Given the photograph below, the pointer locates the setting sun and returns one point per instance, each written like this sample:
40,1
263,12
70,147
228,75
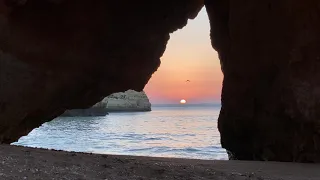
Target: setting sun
183,101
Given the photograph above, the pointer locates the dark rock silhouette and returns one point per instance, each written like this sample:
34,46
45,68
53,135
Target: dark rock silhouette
70,54
270,52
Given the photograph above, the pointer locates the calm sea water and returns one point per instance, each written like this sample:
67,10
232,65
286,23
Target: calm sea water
183,132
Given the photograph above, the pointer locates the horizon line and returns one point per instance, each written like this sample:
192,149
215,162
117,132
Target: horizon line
216,103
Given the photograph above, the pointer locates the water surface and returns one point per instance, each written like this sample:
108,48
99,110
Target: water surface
183,132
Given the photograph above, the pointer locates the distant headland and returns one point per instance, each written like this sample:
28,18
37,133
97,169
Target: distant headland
128,101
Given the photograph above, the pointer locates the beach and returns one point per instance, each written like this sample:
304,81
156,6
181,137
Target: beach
35,164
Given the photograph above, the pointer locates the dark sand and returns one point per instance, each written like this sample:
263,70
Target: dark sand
28,163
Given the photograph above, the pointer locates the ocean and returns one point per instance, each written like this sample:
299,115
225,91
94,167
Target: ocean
181,131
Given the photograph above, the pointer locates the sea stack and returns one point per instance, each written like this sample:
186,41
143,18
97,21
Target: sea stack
128,101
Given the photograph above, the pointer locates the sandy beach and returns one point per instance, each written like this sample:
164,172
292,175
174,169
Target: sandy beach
35,164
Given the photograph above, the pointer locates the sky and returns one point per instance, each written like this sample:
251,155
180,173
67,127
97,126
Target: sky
188,56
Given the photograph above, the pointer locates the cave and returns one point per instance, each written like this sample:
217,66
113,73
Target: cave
67,54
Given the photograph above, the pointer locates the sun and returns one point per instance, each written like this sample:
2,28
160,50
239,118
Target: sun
182,101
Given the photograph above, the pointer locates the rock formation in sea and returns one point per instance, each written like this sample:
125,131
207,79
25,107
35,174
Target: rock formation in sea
127,101
70,54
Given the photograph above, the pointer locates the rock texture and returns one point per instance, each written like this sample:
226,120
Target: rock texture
70,54
117,102
126,101
270,57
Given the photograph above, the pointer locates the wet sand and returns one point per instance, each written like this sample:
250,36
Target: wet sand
29,163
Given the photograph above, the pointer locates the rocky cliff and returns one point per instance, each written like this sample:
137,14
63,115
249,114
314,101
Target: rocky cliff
270,57
66,54
117,102
70,54
126,101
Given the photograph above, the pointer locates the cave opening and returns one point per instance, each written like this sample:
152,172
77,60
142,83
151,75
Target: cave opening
190,70
81,51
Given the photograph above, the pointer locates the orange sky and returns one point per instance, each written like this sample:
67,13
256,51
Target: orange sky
189,56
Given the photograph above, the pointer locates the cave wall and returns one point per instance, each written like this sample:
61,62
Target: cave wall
270,57
65,54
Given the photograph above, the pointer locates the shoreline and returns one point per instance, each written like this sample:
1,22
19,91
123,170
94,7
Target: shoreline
19,162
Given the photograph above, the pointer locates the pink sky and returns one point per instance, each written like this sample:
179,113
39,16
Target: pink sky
189,56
